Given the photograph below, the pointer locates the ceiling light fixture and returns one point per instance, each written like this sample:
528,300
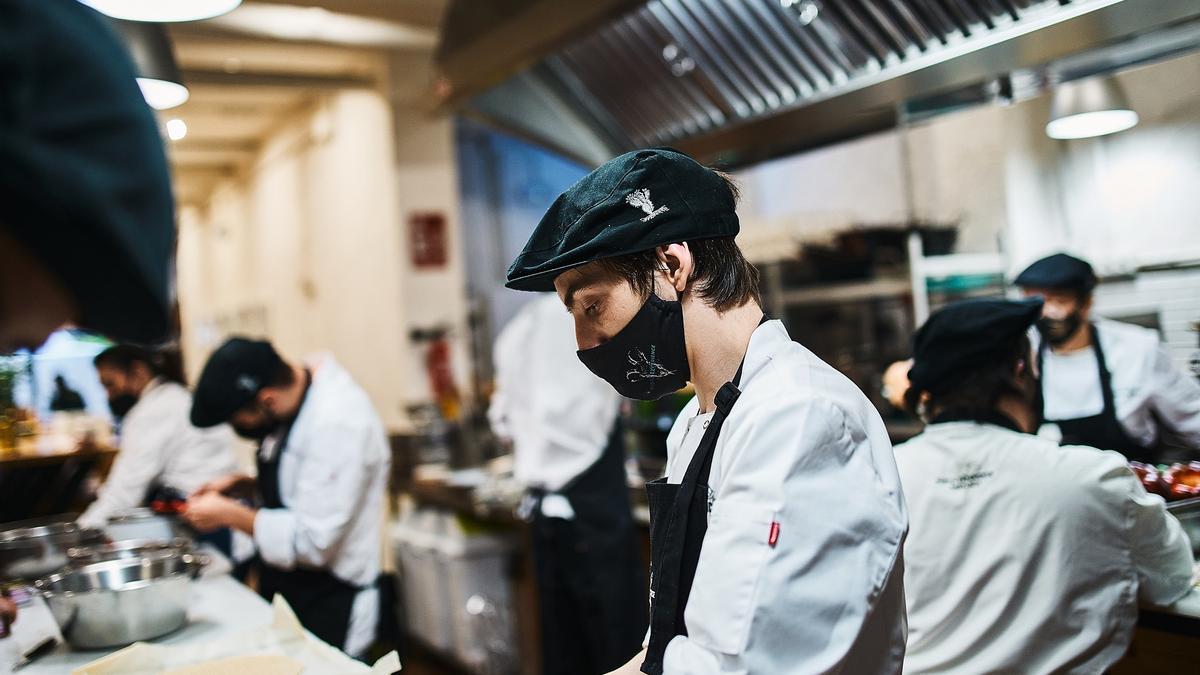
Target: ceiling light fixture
163,11
1095,106
176,129
157,73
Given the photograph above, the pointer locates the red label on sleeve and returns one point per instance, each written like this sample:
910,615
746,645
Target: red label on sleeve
773,538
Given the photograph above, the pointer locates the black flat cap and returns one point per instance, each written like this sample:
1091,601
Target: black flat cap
1058,272
632,203
966,335
233,376
83,175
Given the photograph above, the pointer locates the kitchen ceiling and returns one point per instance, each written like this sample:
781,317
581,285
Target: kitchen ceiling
741,80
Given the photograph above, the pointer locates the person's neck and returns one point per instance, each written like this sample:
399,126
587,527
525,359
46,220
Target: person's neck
1019,411
1081,339
717,343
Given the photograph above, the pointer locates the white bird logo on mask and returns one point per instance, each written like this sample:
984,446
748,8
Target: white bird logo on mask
645,368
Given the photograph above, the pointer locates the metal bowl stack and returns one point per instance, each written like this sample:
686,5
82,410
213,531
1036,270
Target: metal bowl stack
34,548
118,594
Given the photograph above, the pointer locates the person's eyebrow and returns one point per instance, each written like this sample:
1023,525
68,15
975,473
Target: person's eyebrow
581,279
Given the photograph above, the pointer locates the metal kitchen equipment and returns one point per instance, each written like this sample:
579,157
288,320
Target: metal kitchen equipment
30,549
117,602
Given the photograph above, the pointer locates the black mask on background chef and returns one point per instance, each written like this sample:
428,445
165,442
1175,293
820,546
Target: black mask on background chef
258,432
121,404
1058,331
647,359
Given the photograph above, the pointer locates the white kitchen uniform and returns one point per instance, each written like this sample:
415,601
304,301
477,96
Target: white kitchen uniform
804,449
1023,556
558,415
333,477
159,446
1149,392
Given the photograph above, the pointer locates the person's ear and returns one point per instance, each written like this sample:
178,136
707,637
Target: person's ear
677,264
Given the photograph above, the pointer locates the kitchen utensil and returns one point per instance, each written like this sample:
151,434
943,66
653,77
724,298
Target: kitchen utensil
31,549
118,602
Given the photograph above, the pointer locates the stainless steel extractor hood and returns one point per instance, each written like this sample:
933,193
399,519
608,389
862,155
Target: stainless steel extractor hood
737,81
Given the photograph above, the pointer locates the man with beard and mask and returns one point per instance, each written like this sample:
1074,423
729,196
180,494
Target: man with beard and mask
1106,384
1022,556
323,465
160,453
776,534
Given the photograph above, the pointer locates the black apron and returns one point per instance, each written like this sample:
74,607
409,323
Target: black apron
1101,430
591,588
678,522
322,602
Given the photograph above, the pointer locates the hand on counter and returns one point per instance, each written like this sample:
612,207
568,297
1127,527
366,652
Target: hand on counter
8,614
238,484
211,510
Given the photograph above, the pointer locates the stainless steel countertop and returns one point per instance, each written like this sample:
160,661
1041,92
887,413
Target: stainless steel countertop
221,606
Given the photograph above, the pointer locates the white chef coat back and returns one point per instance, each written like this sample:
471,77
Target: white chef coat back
159,445
805,449
558,415
332,478
1023,556
1148,390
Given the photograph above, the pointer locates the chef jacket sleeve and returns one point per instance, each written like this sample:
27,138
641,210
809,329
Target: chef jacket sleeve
1175,398
331,486
1162,554
801,468
141,459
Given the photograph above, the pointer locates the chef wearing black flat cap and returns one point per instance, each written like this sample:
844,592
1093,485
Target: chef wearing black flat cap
776,534
1106,384
323,464
1022,556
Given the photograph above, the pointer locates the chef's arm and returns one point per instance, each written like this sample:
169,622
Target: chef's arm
1175,396
1162,554
331,488
139,462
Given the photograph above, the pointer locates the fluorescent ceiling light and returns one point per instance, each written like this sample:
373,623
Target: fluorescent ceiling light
163,10
1091,107
176,129
162,94
157,73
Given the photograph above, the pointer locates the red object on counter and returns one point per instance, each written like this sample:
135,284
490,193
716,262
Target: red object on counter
1149,476
1182,481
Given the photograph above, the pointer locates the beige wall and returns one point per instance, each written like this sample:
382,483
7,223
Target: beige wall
310,247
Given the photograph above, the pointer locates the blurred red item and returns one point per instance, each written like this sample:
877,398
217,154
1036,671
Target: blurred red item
1182,481
1149,476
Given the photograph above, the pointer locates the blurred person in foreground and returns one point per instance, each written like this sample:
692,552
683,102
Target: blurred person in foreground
1022,556
323,465
569,453
86,214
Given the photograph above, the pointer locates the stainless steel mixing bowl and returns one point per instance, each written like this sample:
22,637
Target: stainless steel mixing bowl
116,602
30,549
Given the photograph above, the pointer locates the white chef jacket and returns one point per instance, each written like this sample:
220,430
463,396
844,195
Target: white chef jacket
558,415
805,449
159,445
1148,390
333,478
1023,556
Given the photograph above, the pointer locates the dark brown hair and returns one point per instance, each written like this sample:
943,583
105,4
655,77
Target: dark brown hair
722,278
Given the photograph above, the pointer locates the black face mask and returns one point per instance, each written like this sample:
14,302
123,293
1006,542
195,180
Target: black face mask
121,404
1058,331
647,359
